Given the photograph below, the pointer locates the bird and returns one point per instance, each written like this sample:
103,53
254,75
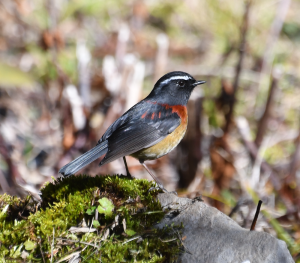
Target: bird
147,131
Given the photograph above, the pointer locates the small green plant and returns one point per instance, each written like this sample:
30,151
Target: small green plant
105,207
112,219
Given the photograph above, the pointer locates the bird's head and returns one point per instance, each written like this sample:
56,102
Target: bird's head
174,88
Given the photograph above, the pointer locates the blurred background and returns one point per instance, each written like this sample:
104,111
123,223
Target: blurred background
69,68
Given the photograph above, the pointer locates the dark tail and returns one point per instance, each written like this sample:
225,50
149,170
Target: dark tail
84,160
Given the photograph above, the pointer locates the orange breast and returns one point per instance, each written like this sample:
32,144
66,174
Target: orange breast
169,142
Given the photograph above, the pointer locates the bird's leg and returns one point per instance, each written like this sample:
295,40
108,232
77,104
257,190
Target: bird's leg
154,177
127,170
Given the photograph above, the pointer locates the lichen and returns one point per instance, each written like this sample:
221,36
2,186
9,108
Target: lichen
121,210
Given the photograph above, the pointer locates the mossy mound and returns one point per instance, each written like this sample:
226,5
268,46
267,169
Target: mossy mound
113,216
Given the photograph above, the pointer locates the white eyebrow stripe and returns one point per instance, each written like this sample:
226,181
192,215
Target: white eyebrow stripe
176,77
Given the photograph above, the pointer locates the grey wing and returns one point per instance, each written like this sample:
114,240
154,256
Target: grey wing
141,132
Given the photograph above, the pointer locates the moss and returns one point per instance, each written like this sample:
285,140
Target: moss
125,211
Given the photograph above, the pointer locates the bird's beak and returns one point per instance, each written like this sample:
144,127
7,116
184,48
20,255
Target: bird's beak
199,82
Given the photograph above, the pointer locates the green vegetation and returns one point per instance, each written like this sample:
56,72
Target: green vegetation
39,58
122,212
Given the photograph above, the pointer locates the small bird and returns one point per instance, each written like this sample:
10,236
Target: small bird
147,131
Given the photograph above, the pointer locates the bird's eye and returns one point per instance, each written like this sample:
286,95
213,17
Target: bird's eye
181,83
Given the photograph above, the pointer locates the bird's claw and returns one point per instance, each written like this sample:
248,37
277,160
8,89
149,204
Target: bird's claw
159,187
130,176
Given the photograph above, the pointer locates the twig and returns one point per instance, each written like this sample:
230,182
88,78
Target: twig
256,216
189,148
180,239
131,239
275,30
84,74
291,180
294,161
223,59
161,59
241,202
169,240
121,49
242,48
263,122
14,178
52,245
136,71
243,128
40,243
3,183
30,196
77,241
69,255
52,26
255,180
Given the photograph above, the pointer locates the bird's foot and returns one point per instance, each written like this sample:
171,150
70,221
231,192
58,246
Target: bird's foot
130,176
161,187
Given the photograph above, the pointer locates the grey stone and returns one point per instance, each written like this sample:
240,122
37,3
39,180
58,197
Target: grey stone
213,237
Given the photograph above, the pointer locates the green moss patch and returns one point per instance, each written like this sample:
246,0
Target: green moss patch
112,220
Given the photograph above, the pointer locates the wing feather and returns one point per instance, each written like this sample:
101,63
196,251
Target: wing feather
145,128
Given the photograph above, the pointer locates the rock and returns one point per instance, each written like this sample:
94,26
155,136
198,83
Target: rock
213,237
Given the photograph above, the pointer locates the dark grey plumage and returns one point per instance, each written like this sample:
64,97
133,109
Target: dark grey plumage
144,125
